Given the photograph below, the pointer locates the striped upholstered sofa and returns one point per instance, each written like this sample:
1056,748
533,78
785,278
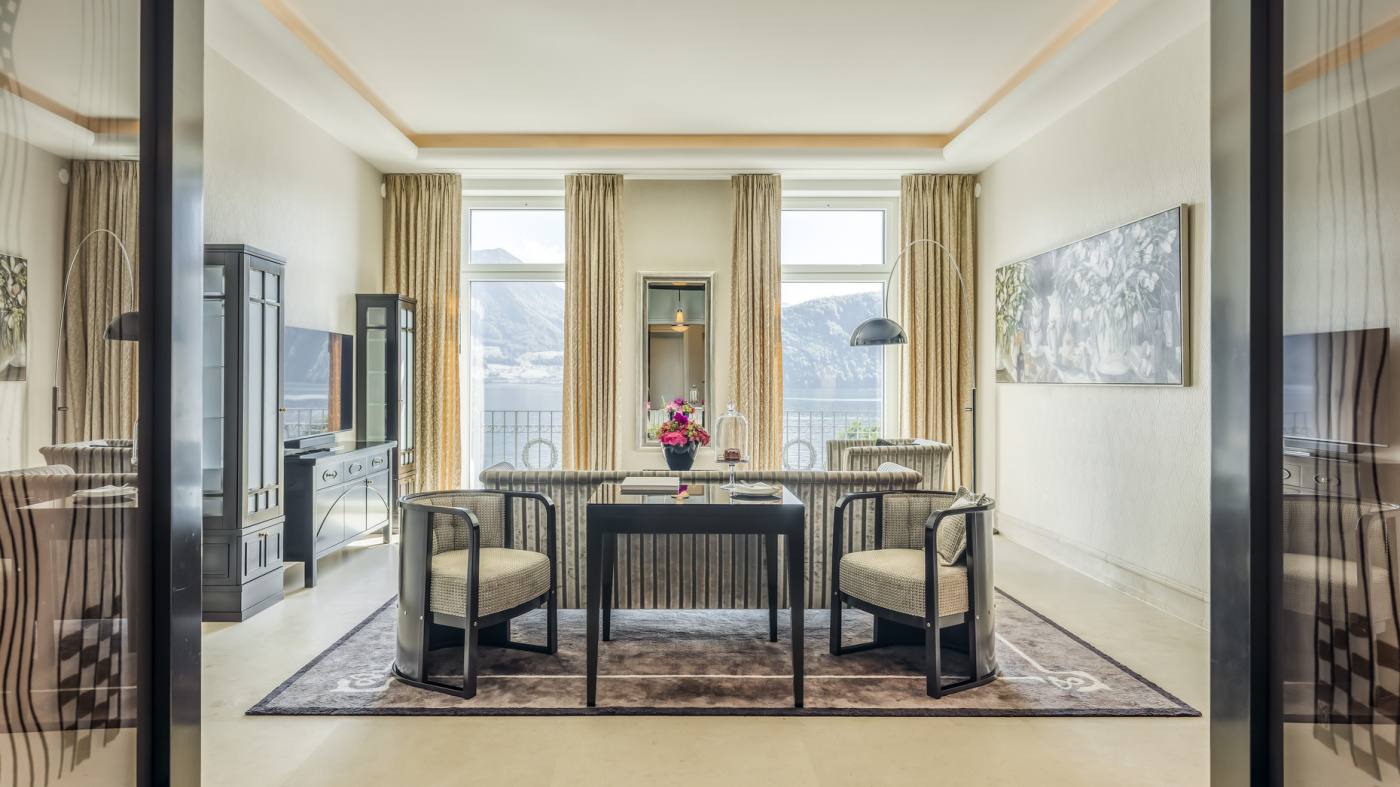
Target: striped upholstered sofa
683,572
929,460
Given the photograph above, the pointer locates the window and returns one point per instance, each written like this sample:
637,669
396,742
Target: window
513,377
836,261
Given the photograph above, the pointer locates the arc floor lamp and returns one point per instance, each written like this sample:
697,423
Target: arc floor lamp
882,331
122,329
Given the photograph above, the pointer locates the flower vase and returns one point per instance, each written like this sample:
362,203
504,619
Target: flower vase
680,458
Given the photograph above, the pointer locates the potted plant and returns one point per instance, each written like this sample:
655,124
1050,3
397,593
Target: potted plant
680,436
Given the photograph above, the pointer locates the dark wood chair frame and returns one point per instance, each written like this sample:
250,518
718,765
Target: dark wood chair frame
435,630
977,625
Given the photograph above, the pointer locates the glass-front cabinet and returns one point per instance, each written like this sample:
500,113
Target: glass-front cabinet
385,328
244,295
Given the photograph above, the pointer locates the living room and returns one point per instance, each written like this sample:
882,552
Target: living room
615,389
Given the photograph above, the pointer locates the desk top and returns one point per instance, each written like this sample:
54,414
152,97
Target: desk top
695,495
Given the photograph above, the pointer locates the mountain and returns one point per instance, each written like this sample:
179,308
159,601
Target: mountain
816,350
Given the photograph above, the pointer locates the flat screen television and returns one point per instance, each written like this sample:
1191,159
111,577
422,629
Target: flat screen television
318,382
1336,387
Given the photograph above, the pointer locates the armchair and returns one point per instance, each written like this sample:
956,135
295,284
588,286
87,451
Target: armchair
931,569
462,580
930,459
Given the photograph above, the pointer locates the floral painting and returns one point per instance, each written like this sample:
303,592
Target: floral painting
1105,310
14,312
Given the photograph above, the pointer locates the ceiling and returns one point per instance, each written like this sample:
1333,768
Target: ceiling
715,67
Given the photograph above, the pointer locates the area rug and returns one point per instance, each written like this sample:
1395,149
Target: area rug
720,662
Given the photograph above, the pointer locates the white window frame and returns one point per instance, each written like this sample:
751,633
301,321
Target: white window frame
891,425
471,274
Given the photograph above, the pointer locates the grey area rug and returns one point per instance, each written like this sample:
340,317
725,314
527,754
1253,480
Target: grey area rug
719,662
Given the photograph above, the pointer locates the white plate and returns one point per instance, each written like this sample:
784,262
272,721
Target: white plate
105,492
756,490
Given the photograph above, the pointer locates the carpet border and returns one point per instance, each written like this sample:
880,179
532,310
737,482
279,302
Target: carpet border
1183,710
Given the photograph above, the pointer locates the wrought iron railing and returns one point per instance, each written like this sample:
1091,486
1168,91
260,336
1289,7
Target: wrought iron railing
534,439
528,439
302,421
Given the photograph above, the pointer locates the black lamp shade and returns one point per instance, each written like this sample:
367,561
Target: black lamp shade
123,329
878,332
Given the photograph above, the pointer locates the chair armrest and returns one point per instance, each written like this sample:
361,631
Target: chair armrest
936,521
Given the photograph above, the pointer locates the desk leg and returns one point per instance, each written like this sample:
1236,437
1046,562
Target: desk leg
795,593
770,548
595,597
609,570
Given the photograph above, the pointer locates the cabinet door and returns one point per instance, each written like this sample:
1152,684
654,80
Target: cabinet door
356,505
263,413
212,390
329,513
407,368
376,373
378,500
262,552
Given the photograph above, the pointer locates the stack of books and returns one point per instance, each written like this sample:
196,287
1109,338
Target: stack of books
651,485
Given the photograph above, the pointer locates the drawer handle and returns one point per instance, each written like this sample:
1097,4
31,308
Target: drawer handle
330,474
1322,479
356,468
377,462
264,535
1287,473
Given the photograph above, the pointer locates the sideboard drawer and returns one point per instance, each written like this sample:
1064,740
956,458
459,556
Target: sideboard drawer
330,474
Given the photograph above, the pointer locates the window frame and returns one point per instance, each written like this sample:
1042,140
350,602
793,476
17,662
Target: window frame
473,273
891,410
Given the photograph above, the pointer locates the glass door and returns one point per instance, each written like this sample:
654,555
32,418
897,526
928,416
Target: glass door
376,373
1340,665
407,350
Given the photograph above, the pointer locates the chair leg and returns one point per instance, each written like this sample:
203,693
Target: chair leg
933,660
609,576
835,643
470,662
552,623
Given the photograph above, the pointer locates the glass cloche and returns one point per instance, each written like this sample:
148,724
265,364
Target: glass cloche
731,440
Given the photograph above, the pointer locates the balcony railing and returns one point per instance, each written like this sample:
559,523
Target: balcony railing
534,439
302,421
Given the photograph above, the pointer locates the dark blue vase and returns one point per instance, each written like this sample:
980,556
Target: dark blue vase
682,458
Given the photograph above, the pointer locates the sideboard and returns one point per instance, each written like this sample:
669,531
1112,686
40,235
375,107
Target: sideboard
336,494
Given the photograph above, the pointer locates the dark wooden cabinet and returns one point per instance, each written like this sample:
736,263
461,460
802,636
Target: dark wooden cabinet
385,360
244,487
336,494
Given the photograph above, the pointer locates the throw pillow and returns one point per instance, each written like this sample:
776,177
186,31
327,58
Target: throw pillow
880,441
952,534
922,441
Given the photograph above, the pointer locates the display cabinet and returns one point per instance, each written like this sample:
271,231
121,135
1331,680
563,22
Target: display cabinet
385,361
244,486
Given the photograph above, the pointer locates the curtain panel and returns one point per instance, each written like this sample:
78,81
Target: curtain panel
100,376
755,336
936,363
423,260
592,319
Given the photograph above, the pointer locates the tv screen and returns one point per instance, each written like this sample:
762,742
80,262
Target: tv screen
318,382
1335,386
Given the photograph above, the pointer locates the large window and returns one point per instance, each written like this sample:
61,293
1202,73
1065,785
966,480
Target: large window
836,259
513,380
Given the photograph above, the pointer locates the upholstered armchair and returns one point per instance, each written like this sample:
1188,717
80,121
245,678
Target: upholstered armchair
462,579
20,488
928,458
92,456
930,570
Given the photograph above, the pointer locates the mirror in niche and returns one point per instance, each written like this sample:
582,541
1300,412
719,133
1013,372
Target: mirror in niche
674,348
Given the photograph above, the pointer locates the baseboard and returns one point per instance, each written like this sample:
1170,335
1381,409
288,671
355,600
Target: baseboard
1187,603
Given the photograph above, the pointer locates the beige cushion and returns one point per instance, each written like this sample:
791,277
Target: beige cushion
509,578
894,579
1308,580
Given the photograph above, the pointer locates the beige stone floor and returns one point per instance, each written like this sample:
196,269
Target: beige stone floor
243,662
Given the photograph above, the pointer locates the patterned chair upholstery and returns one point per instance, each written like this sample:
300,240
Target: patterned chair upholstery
685,572
20,488
1328,564
925,557
461,545
92,456
931,461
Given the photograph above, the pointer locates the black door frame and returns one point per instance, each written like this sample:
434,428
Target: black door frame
165,557
1246,726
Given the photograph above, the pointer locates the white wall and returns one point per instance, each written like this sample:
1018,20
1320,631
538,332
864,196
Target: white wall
1111,480
275,180
34,210
674,226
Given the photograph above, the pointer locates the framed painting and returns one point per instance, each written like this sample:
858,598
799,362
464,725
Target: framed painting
1107,310
14,313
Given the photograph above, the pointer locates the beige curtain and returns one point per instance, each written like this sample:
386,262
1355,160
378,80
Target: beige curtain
100,375
936,364
423,260
755,336
592,317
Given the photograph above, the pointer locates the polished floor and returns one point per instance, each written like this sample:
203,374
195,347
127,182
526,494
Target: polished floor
243,662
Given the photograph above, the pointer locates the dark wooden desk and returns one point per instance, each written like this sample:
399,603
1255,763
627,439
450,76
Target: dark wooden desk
708,510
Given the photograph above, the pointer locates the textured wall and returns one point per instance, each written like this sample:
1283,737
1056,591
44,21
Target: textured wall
33,210
1111,480
672,225
275,180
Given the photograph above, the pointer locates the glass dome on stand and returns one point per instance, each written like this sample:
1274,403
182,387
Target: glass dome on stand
731,441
